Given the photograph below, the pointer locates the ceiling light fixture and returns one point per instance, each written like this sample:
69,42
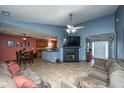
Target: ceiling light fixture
50,43
24,37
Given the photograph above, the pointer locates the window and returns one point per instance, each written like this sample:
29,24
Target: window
100,49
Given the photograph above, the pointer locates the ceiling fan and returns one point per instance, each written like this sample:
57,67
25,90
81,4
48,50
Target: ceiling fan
24,36
71,28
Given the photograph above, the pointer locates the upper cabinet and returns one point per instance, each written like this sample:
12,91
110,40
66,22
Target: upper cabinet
54,44
42,43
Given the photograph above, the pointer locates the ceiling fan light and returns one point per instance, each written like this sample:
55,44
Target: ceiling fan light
24,38
68,31
69,26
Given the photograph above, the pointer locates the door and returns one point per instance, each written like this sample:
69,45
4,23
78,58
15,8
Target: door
100,49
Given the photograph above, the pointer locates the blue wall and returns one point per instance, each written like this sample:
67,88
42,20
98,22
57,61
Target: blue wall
44,28
100,25
119,28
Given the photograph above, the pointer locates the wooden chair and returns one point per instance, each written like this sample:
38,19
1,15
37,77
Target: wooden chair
31,57
17,57
24,57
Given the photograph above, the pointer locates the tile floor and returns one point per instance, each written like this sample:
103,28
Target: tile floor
55,72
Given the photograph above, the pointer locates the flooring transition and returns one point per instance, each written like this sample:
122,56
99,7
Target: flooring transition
55,72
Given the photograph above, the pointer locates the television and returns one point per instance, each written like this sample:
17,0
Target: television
71,41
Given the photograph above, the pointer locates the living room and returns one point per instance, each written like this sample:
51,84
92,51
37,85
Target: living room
76,46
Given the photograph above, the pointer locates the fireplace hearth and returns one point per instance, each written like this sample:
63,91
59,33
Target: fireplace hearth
71,54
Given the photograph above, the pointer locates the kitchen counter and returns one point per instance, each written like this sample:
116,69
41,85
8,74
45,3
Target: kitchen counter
51,55
51,50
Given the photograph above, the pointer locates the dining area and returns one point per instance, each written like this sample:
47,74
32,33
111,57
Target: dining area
24,57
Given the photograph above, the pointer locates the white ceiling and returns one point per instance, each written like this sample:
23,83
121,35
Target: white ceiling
56,14
50,14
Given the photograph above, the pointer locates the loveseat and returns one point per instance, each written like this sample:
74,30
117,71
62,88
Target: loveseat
7,81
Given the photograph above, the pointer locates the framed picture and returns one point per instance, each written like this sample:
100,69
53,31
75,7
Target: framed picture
19,44
10,44
26,44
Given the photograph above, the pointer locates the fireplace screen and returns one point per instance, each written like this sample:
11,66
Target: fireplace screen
71,55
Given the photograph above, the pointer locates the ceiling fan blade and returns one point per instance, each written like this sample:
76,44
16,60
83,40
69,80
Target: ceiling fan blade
80,27
68,26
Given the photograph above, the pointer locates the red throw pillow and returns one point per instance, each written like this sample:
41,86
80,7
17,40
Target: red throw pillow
23,82
14,68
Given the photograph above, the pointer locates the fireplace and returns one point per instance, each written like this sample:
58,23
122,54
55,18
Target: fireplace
71,54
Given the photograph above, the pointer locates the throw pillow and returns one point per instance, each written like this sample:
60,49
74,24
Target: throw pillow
14,68
23,82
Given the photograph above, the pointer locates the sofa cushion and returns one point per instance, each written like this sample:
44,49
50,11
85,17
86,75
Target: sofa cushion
3,65
98,70
35,78
23,73
117,79
6,81
115,66
100,62
14,68
99,67
4,69
6,72
32,76
98,74
23,82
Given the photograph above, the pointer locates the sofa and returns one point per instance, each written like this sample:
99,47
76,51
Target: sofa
7,81
103,74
